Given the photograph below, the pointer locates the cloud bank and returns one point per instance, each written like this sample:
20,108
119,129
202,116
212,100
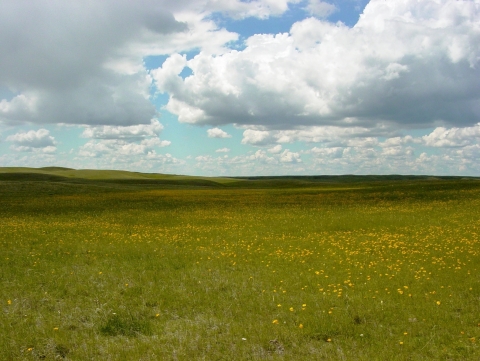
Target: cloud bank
403,65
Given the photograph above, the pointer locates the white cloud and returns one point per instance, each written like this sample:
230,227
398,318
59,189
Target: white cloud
326,134
290,157
203,158
36,139
22,106
251,163
404,64
401,159
262,157
275,149
139,131
334,152
39,140
398,141
163,158
223,150
320,8
258,137
111,141
119,147
94,149
453,137
367,142
34,159
241,9
149,162
49,149
155,142
217,133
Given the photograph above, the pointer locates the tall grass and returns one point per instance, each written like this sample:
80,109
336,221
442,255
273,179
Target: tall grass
378,271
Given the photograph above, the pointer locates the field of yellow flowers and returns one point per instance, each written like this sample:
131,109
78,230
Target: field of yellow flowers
354,271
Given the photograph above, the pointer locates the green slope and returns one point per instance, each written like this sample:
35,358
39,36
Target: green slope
136,179
90,176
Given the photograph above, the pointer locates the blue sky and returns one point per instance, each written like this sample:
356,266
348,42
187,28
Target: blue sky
230,87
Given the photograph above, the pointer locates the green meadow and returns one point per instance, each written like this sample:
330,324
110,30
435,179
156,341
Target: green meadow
109,265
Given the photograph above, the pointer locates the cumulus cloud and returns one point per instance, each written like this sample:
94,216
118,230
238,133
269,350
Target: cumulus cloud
320,8
352,154
119,147
275,149
223,150
327,134
258,157
334,152
217,133
166,158
36,139
139,131
290,157
258,137
398,141
238,9
338,151
109,141
102,157
261,157
259,162
453,137
81,62
32,140
404,64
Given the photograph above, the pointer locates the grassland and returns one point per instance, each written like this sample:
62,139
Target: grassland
125,266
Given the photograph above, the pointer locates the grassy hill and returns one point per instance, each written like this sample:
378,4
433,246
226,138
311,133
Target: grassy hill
117,178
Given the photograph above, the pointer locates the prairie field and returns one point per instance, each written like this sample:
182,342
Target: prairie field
246,270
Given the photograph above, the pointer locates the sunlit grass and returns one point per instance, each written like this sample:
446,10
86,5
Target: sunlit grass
376,272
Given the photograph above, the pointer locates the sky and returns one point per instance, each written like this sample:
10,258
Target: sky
242,88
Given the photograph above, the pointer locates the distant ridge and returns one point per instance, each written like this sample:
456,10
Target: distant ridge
53,169
136,179
105,177
353,177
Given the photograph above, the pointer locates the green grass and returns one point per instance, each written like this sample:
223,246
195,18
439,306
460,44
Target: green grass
263,269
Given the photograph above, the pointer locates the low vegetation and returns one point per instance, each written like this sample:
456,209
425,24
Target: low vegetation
359,268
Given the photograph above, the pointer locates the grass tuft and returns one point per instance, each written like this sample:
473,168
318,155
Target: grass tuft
126,324
62,350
